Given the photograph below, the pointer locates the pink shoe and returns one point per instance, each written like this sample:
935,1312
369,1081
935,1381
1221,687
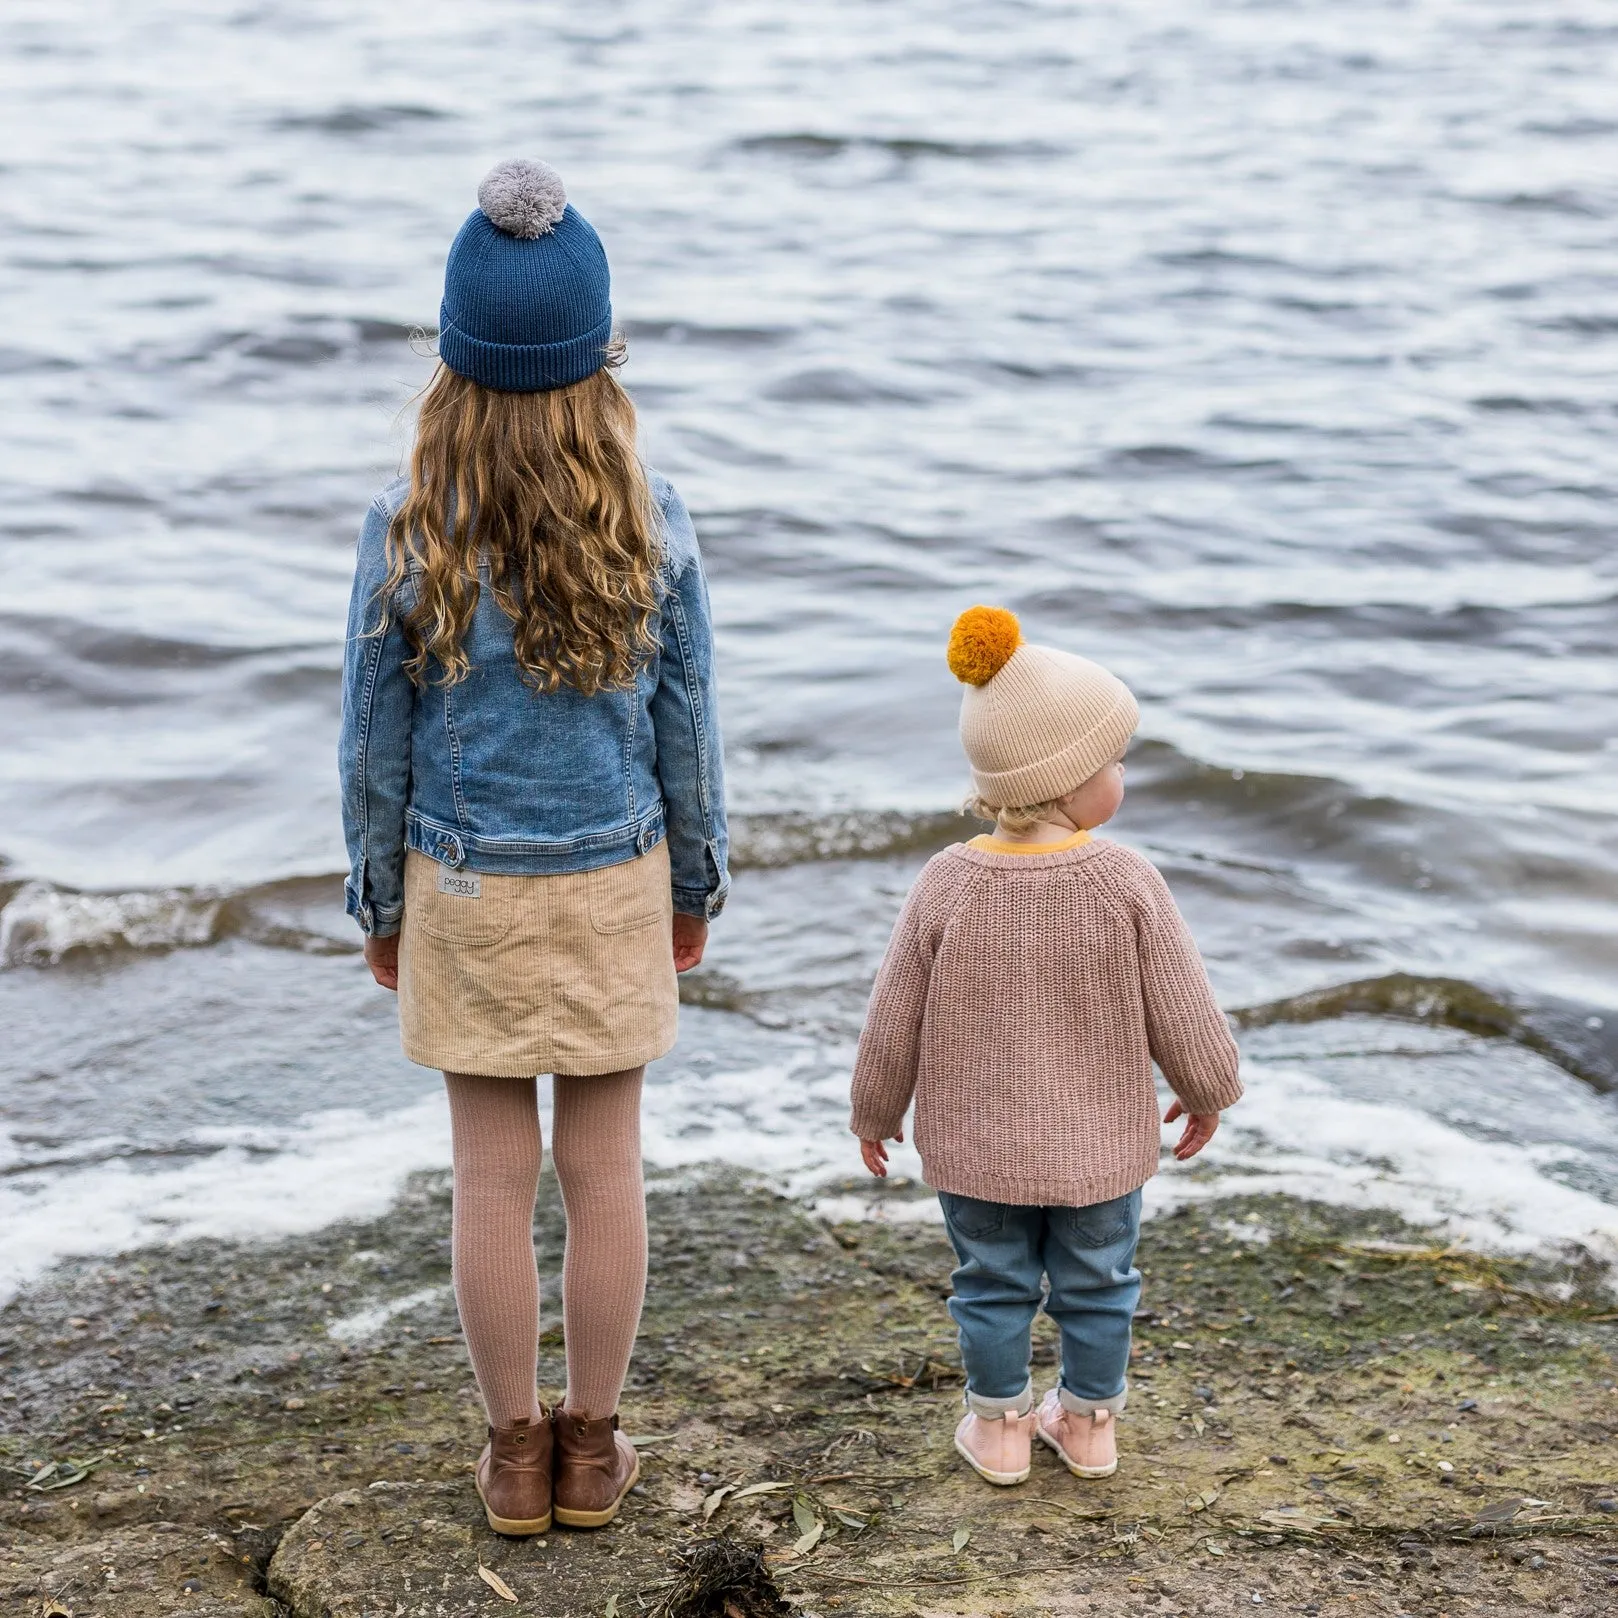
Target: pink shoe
1088,1444
997,1449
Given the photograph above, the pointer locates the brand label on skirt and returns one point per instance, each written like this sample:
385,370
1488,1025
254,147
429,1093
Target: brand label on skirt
460,884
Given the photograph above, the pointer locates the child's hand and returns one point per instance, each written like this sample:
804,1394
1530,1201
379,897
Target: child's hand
690,939
382,956
1199,1130
876,1155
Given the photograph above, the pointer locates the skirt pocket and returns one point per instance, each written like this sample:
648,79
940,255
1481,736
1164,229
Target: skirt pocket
458,907
624,898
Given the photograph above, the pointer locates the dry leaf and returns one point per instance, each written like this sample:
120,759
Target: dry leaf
759,1488
1198,1426
496,1583
1294,1517
961,1537
1201,1502
716,1500
803,1515
612,1607
55,1609
650,1439
810,1539
848,1519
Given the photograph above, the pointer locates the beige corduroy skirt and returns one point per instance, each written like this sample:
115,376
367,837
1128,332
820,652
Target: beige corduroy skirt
513,976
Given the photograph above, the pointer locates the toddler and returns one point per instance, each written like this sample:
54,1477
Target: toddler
1033,977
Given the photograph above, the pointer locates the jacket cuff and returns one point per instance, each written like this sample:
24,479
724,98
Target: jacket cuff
704,903
376,921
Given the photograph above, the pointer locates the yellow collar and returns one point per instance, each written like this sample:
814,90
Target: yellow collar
988,844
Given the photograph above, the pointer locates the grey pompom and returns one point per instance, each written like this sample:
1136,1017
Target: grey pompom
522,197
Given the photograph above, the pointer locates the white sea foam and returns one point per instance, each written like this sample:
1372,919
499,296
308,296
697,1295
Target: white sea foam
367,1322
258,1183
1294,1133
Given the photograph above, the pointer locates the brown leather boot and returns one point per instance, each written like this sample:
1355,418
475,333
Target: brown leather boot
514,1476
596,1466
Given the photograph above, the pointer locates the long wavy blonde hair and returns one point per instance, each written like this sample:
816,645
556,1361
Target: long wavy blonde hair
547,491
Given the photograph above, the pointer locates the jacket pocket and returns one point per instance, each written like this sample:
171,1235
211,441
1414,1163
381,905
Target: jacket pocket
456,918
1103,1223
632,894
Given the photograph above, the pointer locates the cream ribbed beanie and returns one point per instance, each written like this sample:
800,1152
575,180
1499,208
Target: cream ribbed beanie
1036,723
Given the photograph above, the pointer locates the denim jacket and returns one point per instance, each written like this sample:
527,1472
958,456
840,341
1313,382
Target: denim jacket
490,775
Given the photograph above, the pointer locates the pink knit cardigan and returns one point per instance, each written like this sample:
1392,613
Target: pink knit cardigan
1022,1002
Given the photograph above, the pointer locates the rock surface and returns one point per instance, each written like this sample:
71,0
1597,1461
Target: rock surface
418,1547
155,1568
1329,1412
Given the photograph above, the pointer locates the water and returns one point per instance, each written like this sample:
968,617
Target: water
1261,351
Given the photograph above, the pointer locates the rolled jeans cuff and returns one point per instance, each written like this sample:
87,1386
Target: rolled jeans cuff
1084,1407
994,1409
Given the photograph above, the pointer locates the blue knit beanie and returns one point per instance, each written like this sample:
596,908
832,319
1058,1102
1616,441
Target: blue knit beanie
527,297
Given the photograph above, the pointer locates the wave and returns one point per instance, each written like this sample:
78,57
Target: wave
354,119
705,336
15,361
43,924
762,842
1573,1036
836,384
807,144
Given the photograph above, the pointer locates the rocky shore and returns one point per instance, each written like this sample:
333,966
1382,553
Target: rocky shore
1331,1414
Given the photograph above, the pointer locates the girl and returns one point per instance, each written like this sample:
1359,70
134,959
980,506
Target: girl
534,810
1033,978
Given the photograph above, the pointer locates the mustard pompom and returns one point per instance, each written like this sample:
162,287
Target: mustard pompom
981,643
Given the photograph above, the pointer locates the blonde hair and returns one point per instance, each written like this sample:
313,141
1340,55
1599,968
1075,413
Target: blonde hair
546,490
1016,819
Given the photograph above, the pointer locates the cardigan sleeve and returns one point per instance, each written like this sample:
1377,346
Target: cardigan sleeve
1185,1029
885,1069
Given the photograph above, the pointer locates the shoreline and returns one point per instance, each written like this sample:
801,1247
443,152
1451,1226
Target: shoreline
1329,1410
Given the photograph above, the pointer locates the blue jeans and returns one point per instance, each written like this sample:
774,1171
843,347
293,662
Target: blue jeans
1006,1251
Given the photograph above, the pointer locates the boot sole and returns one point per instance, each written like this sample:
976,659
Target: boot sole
515,1527
518,1527
569,1518
1001,1480
1073,1466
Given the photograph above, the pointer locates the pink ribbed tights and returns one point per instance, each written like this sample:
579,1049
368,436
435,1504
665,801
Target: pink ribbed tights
596,1153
